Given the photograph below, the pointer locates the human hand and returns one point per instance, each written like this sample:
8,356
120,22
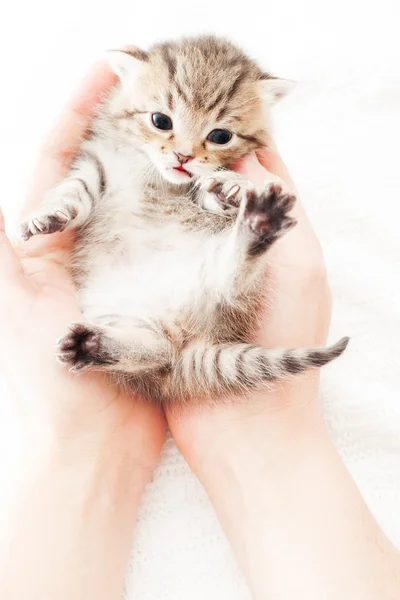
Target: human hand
299,301
279,488
297,315
252,454
37,304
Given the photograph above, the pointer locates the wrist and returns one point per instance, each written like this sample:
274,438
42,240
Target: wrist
133,447
74,478
260,431
85,423
81,455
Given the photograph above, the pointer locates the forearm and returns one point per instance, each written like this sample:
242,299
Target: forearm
68,529
294,517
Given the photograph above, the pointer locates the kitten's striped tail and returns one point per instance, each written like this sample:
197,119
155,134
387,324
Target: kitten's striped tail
215,369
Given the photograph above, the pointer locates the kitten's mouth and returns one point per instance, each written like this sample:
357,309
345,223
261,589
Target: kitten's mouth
182,170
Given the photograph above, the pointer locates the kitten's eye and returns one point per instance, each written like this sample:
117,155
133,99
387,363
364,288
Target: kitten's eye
219,136
161,121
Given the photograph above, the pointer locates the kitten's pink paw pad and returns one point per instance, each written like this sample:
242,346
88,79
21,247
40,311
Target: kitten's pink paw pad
266,214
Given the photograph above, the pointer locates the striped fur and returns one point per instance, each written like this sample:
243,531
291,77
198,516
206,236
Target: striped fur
232,367
170,264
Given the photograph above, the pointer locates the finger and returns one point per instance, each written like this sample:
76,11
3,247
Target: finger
253,170
261,167
10,267
62,144
272,161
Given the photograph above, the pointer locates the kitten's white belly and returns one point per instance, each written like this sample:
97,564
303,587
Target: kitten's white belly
157,280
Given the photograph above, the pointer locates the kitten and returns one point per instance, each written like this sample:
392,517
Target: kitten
171,246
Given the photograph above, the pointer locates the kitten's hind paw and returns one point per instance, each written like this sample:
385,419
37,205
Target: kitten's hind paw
45,223
83,348
265,216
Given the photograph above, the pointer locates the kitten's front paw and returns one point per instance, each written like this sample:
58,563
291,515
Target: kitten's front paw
83,347
265,215
44,223
228,189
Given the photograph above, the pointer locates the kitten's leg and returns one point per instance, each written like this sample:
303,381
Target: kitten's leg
242,253
117,349
213,370
69,204
262,216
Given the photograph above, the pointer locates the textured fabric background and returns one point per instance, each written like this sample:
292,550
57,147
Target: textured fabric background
339,134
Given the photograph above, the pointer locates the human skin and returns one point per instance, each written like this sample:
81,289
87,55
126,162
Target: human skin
292,513
88,448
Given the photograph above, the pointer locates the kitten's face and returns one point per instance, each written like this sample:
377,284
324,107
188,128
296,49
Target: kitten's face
185,142
193,107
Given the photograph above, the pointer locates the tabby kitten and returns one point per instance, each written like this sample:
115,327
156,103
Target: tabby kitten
171,245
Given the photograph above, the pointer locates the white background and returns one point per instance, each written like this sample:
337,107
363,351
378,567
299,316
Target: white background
340,135
46,46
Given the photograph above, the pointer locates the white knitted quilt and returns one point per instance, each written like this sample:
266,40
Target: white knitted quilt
339,134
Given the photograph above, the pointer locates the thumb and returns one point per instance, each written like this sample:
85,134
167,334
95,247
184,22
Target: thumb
10,267
253,170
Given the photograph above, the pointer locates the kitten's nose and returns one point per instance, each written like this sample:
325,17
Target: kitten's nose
183,158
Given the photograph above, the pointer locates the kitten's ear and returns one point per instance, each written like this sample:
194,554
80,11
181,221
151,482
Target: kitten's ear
126,63
274,89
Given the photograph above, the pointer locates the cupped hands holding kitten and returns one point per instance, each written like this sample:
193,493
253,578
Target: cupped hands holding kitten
171,245
289,508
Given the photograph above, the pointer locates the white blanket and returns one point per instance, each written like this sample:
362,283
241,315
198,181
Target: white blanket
339,134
